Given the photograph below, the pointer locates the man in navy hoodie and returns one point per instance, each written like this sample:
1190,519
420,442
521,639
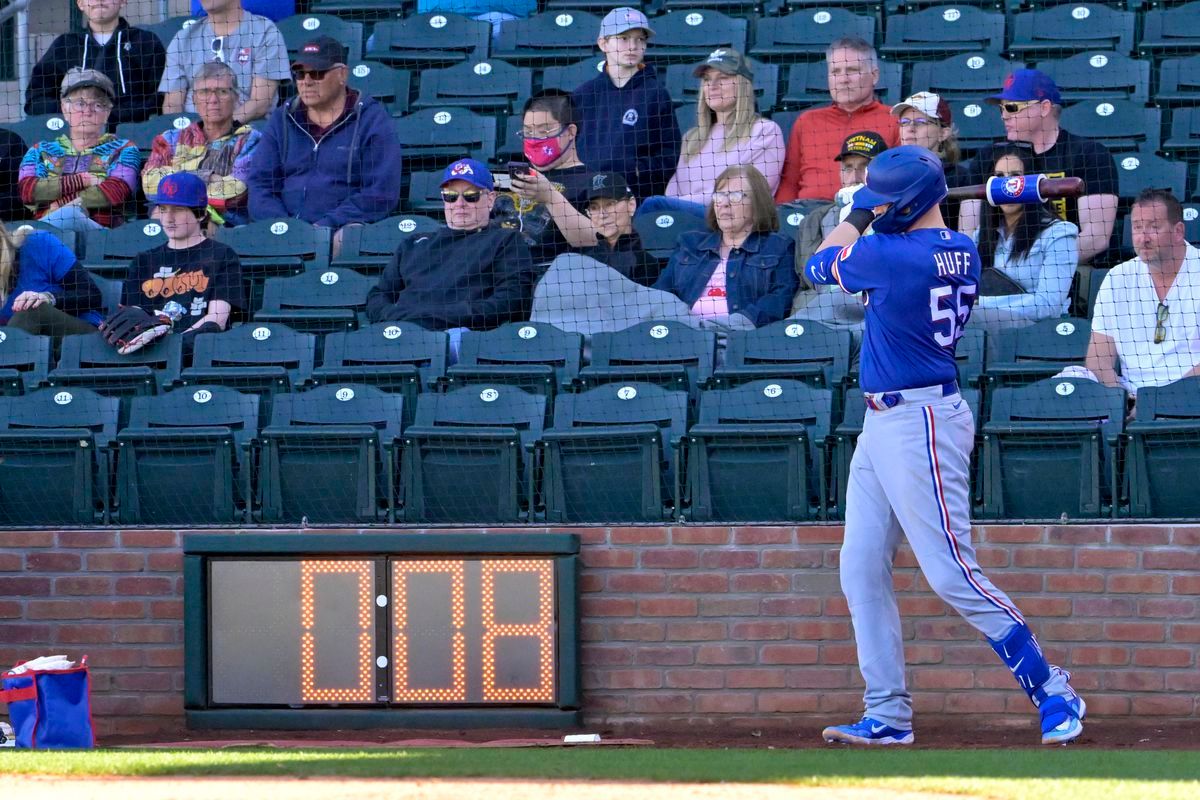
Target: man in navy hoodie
329,156
625,116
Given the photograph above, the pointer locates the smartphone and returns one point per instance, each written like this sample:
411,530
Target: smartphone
519,169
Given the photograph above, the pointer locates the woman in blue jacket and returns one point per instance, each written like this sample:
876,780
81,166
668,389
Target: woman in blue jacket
43,289
743,267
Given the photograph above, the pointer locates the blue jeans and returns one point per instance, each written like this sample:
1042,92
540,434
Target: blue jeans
71,218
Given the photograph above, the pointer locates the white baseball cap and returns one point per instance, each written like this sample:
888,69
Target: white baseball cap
929,104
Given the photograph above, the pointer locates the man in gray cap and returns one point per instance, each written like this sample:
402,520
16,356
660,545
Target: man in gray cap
625,116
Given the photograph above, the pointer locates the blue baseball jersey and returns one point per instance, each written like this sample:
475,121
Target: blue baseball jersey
919,289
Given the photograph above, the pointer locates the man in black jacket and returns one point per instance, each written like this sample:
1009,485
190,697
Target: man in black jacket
132,58
469,274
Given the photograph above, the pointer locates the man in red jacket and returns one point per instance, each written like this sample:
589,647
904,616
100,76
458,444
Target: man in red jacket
810,170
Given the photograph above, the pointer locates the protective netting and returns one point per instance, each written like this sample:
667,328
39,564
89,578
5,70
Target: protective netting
473,262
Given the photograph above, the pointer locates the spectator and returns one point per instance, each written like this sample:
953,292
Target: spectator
1030,105
808,170
1028,257
45,290
625,117
330,155
729,132
547,202
741,274
216,147
611,206
468,275
248,43
926,121
857,151
1147,315
273,10
189,285
132,59
82,180
12,150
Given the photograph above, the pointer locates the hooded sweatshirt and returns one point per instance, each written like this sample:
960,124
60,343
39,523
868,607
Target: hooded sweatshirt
133,59
350,172
629,130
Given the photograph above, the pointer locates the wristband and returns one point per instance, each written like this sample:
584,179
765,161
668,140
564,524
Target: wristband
860,218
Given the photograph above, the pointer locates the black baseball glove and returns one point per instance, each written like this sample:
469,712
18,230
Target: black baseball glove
131,328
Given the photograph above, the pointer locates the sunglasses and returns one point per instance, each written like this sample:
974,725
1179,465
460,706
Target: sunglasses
311,74
1014,108
470,196
217,46
1160,327
917,122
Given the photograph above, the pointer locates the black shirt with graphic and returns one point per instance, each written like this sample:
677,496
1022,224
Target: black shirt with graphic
545,240
192,277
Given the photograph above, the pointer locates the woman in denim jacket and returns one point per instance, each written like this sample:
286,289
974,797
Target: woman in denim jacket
743,268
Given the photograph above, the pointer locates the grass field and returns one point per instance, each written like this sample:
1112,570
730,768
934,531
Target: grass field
1059,773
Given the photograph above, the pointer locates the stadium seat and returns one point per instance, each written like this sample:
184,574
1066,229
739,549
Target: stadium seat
1119,124
943,31
166,30
67,237
1162,451
692,35
970,356
425,192
386,84
397,357
968,77
533,356
1100,76
39,128
777,7
570,77
468,457
1170,31
1138,171
184,458
793,349
685,87
785,120
1071,28
300,28
660,232
596,6
685,117
273,248
142,133
548,37
110,293
437,136
322,301
665,353
1178,81
1184,138
978,124
739,7
758,454
369,248
808,84
24,361
807,34
346,434
108,251
425,40
488,86
1048,450
1024,355
89,361
365,11
613,454
54,457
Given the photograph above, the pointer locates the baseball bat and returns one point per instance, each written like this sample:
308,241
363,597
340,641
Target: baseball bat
1046,188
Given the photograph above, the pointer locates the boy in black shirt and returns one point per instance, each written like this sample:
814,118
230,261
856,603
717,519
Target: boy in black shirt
189,285
611,206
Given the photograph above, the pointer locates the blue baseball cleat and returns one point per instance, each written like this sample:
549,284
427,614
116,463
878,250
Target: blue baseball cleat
1062,719
869,732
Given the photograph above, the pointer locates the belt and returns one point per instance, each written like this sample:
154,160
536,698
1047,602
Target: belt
924,395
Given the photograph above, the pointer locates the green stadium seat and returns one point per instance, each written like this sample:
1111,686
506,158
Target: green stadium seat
1178,81
660,232
1162,451
425,40
739,7
300,28
549,37
1024,355
1100,76
970,356
54,457
1170,30
1138,171
365,11
807,34
386,84
24,361
808,84
368,249
330,300
1184,138
758,454
142,133
1049,450
967,77
533,356
90,362
613,454
794,349
110,292
345,434
685,88
691,35
437,136
594,6
486,86
273,248
67,237
793,213
1119,124
570,77
943,31
468,457
108,251
1071,28
424,192
666,353
38,128
397,357
166,30
184,458
978,124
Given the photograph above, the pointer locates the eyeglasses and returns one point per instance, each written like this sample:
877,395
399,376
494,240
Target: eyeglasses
313,74
917,122
207,93
217,46
599,211
95,106
730,197
1160,326
470,195
541,133
999,174
1016,108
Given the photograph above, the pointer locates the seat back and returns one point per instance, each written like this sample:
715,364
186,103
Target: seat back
1060,400
166,30
1185,131
489,85
570,77
1072,28
445,133
1174,401
24,360
423,39
808,33
691,35
198,407
1142,170
142,133
386,84
259,344
89,353
283,241
1179,80
808,84
1171,30
328,290
944,30
496,406
1053,341
38,128
968,77
342,405
300,28
660,232
792,343
978,123
524,343
379,240
111,249
75,407
1100,75
387,344
552,36
655,344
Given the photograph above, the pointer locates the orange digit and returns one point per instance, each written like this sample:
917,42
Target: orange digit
308,643
543,629
457,691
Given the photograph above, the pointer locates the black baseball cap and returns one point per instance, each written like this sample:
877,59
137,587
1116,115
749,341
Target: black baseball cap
867,144
322,52
608,186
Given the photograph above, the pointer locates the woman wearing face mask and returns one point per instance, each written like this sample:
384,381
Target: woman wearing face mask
548,202
741,274
1031,257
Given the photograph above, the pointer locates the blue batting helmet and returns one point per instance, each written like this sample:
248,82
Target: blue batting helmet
910,178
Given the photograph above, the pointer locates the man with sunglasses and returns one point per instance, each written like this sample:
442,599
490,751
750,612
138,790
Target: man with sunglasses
329,156
249,43
1148,309
468,275
1030,106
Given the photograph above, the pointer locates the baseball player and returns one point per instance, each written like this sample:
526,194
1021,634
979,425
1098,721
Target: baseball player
909,474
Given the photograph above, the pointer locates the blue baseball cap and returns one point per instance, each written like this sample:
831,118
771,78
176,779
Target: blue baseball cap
1027,84
471,171
180,189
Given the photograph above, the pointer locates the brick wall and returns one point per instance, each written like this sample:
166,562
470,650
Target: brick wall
691,625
